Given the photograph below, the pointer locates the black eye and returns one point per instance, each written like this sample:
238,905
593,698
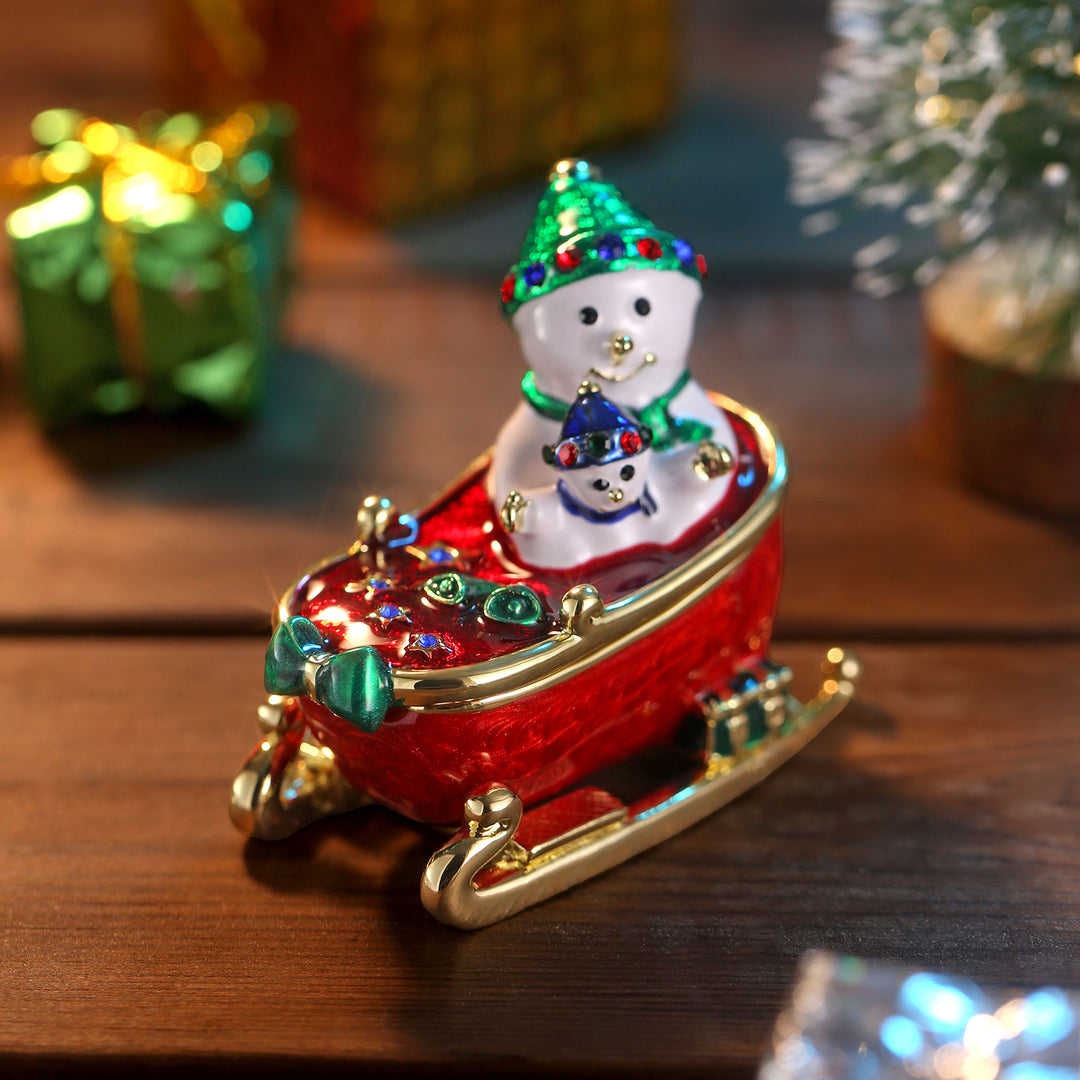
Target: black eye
627,472
588,315
642,306
601,485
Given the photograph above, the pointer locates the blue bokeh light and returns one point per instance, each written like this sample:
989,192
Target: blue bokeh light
901,1036
1035,1070
942,1007
236,215
1048,1018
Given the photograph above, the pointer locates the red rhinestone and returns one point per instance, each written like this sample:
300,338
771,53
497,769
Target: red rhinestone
507,292
567,454
649,247
630,441
702,266
568,259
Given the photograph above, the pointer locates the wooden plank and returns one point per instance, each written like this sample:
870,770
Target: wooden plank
393,389
878,533
390,394
935,823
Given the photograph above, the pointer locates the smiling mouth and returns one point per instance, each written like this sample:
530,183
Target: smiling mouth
647,361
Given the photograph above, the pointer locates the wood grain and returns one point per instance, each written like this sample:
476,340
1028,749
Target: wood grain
935,823
392,381
393,389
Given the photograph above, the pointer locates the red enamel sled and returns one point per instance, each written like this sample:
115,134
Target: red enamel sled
504,689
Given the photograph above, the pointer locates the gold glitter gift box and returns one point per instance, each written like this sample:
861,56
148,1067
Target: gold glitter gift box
406,105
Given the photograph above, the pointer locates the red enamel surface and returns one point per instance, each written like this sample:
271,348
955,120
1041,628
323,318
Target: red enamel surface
426,765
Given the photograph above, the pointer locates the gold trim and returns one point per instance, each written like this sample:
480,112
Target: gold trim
274,796
448,889
589,631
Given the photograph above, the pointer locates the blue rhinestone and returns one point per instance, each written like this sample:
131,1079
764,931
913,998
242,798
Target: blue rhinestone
427,641
377,584
535,274
610,247
440,555
742,682
389,611
683,250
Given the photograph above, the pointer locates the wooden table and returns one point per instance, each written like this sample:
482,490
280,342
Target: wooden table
936,823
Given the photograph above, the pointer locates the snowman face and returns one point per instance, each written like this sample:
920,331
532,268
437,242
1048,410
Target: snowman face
574,332
610,487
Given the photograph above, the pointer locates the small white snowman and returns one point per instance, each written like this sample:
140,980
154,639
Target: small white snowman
602,459
601,296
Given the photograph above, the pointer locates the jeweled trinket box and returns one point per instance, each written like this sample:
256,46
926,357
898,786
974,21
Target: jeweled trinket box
602,583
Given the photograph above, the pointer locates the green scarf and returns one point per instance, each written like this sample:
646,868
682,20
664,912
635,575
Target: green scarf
668,431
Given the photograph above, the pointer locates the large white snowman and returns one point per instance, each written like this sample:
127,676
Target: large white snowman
601,297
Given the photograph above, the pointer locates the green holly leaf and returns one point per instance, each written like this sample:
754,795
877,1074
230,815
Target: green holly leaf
516,605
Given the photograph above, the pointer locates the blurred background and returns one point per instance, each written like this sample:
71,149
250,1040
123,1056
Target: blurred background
394,367
379,361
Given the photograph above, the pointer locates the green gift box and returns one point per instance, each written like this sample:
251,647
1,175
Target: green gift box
152,267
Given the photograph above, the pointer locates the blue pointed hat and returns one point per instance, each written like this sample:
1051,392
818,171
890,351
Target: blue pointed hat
595,432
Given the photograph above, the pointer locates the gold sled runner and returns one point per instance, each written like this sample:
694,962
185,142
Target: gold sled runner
505,860
525,874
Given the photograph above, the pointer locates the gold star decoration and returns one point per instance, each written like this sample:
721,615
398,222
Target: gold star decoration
388,615
372,586
437,554
427,644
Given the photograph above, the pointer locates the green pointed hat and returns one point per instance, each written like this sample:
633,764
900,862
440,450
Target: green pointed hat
584,226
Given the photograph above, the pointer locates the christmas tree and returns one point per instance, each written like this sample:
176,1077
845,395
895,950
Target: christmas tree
963,116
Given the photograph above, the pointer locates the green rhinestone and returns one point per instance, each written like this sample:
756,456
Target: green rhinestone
357,686
445,588
517,605
598,444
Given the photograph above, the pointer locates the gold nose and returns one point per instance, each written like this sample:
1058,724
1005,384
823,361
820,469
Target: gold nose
618,345
615,495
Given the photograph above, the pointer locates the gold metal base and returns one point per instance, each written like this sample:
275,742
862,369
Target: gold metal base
504,861
289,780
